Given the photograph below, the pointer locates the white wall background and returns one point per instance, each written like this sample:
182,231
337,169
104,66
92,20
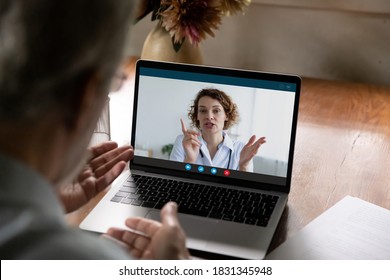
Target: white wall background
261,113
330,39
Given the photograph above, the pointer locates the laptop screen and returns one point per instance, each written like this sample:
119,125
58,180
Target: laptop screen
222,125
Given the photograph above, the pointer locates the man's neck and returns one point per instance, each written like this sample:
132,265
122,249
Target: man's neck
33,148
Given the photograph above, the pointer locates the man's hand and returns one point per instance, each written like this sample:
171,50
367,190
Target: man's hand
148,239
105,164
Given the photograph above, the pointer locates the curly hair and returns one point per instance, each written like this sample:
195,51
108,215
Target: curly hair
226,101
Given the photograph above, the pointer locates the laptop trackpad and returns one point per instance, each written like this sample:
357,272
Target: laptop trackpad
198,229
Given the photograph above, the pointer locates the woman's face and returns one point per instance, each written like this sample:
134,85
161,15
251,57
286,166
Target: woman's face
211,115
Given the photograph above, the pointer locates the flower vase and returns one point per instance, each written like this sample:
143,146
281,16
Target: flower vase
158,46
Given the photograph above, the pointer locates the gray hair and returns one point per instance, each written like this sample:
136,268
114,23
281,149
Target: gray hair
49,48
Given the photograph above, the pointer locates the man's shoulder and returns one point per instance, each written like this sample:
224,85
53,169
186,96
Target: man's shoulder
77,244
60,243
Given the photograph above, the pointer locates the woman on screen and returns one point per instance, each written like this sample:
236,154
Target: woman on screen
211,113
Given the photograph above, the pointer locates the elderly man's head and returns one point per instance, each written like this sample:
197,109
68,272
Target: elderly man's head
57,59
48,49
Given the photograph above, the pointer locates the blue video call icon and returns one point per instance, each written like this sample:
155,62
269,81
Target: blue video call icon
188,167
201,168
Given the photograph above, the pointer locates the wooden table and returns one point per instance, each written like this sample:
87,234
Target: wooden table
342,148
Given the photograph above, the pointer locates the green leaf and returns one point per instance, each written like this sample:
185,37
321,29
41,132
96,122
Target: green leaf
177,46
155,6
167,149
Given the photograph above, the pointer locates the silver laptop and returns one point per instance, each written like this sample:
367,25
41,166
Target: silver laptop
226,212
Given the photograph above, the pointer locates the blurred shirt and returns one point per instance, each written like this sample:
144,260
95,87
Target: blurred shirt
33,225
227,156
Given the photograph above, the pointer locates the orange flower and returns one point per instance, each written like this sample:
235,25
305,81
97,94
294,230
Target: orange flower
190,19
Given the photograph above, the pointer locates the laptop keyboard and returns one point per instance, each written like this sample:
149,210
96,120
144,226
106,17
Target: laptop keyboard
197,199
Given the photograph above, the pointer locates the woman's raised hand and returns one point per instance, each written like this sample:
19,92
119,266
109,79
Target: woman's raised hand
249,151
191,143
